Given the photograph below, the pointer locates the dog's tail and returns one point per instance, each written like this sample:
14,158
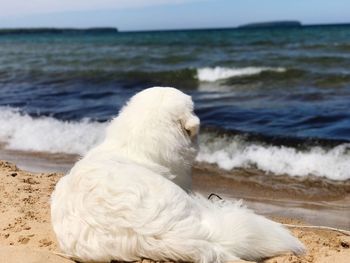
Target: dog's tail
239,232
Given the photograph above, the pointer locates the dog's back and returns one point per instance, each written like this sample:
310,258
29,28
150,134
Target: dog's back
117,202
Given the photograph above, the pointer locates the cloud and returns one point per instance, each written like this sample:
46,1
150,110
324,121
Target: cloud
20,7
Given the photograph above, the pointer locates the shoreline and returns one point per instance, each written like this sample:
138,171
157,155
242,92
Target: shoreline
313,200
273,196
25,228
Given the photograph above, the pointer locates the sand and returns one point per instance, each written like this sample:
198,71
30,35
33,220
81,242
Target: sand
26,234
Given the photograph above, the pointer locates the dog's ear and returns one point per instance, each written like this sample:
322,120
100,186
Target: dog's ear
190,125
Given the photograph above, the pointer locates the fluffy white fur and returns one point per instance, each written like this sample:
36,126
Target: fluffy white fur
117,203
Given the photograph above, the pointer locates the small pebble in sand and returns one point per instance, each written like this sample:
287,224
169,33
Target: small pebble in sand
30,181
344,244
45,242
23,240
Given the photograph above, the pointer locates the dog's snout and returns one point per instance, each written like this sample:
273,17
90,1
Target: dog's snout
192,126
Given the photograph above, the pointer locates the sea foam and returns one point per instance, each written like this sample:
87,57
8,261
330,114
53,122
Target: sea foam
219,73
233,152
19,131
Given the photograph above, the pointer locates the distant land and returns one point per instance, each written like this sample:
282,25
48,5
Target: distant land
113,30
93,30
262,25
272,24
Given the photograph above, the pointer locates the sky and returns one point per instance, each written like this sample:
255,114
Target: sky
167,14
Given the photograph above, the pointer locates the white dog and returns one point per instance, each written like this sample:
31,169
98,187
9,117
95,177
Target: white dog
117,203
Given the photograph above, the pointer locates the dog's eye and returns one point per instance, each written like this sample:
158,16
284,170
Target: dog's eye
189,132
189,129
184,130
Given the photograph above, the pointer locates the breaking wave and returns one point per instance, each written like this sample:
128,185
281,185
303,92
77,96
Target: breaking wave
234,152
219,73
20,131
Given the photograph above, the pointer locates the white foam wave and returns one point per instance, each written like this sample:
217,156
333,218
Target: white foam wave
45,134
230,153
219,73
20,131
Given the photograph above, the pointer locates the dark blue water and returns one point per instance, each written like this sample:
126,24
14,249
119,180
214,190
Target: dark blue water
278,82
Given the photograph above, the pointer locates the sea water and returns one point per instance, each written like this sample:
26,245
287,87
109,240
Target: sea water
274,99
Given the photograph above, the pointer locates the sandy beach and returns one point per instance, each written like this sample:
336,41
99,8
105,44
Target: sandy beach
26,234
269,107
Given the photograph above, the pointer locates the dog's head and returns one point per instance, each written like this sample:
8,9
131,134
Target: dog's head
168,108
157,124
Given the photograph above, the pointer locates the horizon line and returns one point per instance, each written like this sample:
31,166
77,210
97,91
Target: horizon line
178,29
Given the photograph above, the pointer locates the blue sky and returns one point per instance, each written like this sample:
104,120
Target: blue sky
167,14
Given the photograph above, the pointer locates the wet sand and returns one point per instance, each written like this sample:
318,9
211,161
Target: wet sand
312,200
26,234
